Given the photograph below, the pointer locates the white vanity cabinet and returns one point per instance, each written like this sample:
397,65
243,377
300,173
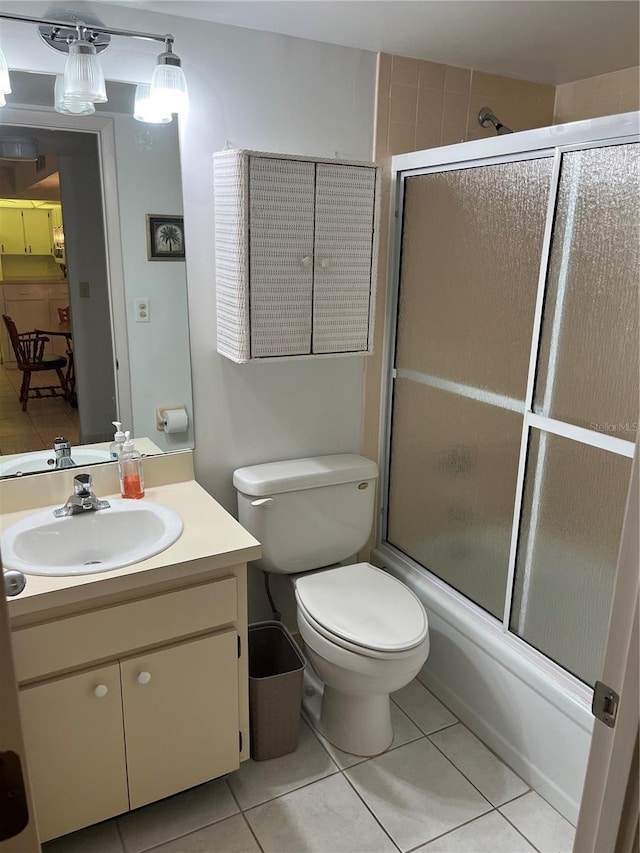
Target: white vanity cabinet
296,254
129,703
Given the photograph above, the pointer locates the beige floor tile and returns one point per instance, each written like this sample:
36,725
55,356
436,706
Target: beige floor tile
497,782
416,793
488,834
227,836
184,813
325,816
423,708
404,731
545,828
101,838
258,781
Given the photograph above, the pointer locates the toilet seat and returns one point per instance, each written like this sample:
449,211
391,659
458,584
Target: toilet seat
363,609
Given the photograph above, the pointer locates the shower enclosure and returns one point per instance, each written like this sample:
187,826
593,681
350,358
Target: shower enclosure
512,404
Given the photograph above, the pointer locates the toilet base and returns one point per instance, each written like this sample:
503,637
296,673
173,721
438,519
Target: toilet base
358,725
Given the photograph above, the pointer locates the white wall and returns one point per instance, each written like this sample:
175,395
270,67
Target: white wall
266,92
148,169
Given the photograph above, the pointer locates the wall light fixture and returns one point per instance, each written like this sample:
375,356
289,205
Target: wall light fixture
82,37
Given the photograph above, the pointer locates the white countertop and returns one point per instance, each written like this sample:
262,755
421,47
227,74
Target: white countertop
211,539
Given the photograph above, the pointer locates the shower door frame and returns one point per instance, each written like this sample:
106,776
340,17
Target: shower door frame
534,144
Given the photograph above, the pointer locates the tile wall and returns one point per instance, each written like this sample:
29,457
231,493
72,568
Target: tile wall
607,94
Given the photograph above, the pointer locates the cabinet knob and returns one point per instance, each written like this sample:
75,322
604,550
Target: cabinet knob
324,263
144,677
306,261
100,690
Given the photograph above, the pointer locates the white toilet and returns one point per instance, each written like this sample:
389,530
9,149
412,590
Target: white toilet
365,632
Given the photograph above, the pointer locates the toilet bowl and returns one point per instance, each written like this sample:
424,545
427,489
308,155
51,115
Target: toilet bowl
366,636
365,632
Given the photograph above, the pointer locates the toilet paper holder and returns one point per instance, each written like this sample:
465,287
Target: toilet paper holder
161,416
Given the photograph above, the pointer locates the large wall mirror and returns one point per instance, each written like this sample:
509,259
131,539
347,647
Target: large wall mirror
91,258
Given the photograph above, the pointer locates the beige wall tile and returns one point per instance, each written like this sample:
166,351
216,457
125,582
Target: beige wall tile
427,136
456,108
630,90
457,79
608,89
432,75
405,71
430,106
404,103
451,135
401,137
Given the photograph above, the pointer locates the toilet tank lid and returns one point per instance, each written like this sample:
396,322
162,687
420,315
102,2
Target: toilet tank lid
309,473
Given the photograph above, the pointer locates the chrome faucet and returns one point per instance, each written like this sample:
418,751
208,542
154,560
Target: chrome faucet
82,499
62,449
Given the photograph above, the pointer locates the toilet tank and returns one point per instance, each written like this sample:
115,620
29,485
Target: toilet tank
307,513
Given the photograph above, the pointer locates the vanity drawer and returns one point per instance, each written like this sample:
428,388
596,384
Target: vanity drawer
63,644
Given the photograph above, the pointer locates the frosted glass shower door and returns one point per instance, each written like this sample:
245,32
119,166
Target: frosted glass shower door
470,260
585,412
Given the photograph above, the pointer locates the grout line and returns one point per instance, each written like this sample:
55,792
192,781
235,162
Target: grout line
119,832
461,772
449,831
255,837
528,840
366,805
284,793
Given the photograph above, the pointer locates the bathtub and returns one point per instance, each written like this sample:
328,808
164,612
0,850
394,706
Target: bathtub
530,712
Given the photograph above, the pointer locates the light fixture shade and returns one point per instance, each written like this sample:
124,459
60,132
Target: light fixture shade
148,109
3,100
70,107
83,77
169,85
5,83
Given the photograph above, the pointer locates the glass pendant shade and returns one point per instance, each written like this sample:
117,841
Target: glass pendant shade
3,100
169,85
83,77
149,109
5,83
70,107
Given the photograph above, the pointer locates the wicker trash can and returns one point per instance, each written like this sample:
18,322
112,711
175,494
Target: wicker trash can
276,668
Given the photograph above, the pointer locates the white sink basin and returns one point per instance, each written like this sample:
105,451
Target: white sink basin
44,460
96,541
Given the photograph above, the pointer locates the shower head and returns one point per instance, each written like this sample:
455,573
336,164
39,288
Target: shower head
487,117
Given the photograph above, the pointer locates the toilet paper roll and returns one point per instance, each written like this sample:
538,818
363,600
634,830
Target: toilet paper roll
175,420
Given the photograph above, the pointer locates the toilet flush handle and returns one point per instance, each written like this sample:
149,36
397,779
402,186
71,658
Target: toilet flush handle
262,502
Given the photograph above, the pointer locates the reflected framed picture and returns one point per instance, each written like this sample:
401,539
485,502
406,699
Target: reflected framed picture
165,237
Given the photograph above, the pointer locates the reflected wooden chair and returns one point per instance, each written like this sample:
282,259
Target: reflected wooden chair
31,358
65,314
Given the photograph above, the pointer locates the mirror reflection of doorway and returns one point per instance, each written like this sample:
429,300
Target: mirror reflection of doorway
54,284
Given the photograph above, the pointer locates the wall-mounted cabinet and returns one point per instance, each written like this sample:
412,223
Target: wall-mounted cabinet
296,255
25,231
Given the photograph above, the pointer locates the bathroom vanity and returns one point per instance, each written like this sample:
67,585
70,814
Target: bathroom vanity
132,682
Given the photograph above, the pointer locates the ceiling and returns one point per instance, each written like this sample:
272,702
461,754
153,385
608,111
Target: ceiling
547,41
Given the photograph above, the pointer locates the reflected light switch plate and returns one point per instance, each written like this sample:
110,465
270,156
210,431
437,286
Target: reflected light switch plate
143,311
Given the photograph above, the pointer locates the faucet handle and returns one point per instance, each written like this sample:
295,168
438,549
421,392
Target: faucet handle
82,485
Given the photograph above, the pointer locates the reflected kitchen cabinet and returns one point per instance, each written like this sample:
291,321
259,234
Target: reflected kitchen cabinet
25,231
11,231
33,305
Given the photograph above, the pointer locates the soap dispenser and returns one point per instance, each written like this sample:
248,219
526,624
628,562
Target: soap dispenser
130,469
118,440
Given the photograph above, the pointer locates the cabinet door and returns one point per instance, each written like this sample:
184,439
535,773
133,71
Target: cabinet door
281,194
345,202
11,231
37,232
180,716
75,750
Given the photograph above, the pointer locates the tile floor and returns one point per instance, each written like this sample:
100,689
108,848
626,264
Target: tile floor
44,419
438,789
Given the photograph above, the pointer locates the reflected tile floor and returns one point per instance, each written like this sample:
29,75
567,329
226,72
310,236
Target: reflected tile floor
438,789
